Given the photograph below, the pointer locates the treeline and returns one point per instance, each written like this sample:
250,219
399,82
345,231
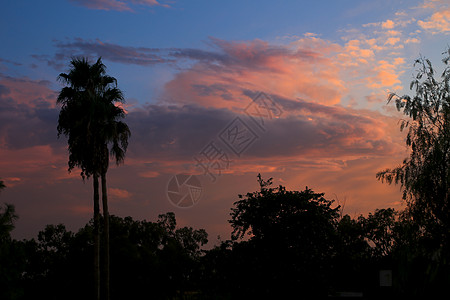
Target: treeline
154,260
300,244
284,243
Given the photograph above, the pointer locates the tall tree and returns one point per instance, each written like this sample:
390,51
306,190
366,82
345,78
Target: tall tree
114,136
425,174
91,121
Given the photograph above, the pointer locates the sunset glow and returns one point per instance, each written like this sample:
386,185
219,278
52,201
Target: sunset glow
187,71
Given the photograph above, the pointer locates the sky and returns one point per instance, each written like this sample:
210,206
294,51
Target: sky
222,91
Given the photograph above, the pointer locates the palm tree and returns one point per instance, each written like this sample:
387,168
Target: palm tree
114,134
90,120
75,119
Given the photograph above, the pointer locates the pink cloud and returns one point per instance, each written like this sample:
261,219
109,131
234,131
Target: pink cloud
11,181
27,91
311,68
289,70
28,113
311,134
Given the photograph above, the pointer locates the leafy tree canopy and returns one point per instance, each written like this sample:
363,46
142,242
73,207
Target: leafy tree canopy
274,213
425,174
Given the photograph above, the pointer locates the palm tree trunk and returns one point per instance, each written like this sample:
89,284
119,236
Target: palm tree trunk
96,238
106,238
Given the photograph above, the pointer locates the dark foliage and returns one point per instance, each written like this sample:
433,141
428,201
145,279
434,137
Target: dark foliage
425,179
284,243
425,175
150,260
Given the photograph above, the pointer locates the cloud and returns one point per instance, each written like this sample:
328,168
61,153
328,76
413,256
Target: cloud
3,63
121,194
412,41
432,3
439,22
309,77
388,24
401,20
28,113
96,48
217,78
11,181
118,5
252,54
355,52
28,136
311,68
392,41
173,133
168,138
386,74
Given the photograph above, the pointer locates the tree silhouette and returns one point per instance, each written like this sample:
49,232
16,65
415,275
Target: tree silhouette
152,260
115,134
379,229
10,257
91,121
425,174
7,217
291,239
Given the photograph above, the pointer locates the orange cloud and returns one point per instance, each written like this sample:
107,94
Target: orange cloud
388,24
386,74
412,41
360,193
392,41
119,193
439,22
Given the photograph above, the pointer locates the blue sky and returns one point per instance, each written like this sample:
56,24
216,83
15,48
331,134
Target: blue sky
187,68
